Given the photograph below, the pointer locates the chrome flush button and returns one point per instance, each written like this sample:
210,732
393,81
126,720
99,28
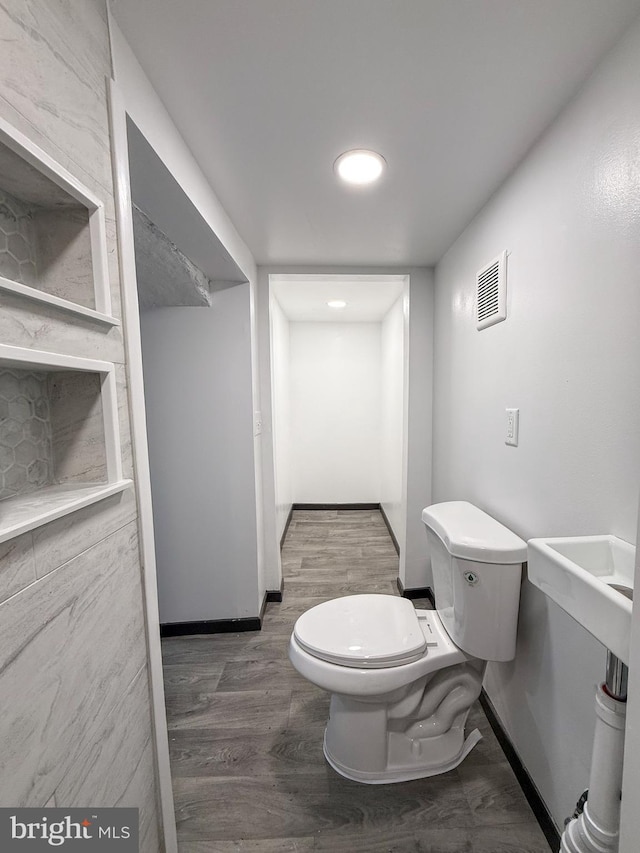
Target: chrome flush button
471,578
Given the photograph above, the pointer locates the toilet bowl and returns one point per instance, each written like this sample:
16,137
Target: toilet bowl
402,680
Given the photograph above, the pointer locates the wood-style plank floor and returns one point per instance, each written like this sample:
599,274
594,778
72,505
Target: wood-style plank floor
246,731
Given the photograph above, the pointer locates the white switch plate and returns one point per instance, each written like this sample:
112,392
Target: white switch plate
513,423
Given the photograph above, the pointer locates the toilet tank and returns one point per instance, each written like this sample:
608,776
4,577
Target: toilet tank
477,569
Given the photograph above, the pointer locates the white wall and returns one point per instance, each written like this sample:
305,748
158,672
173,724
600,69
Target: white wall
149,114
147,111
392,417
335,412
197,370
415,566
569,357
280,384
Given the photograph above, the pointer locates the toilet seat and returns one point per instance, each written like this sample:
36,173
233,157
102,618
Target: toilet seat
362,631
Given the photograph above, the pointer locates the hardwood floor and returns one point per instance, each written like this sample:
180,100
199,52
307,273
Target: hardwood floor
246,730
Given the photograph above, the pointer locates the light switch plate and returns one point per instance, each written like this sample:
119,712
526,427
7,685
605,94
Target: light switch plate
513,425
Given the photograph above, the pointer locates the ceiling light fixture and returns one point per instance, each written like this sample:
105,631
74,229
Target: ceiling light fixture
359,166
337,303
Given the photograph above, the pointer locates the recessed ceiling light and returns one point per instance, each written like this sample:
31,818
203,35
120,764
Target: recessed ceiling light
359,166
337,303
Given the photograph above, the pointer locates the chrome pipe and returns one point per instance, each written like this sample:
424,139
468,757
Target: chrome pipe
617,676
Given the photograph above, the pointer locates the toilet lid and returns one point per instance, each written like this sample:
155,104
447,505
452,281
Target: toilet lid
363,631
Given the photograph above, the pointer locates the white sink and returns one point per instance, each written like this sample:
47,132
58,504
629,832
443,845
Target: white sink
579,573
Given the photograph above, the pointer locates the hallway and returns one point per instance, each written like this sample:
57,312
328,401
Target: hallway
245,732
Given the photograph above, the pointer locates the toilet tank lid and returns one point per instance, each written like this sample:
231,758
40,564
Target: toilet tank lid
470,534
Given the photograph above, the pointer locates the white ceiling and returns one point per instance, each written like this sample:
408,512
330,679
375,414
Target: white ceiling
267,93
368,298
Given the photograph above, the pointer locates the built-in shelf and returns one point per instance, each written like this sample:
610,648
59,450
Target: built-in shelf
26,512
59,429
59,436
55,301
53,246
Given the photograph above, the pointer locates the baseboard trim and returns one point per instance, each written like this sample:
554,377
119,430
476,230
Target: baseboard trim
312,507
538,807
286,527
222,626
275,594
211,626
416,592
390,529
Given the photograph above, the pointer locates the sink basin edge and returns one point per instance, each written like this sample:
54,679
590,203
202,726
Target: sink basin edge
581,586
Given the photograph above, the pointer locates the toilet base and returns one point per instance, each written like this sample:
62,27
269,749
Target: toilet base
419,768
412,733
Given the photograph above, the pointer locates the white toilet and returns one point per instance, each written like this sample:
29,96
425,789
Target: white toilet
403,680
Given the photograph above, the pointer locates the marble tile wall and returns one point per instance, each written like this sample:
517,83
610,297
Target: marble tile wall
26,455
56,619
27,324
17,566
63,258
46,249
77,427
80,733
17,240
58,542
51,430
75,721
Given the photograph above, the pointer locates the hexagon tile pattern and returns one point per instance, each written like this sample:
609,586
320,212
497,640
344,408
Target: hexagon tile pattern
17,241
26,458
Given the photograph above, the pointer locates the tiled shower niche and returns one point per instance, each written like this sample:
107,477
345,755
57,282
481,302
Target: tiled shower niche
52,232
17,241
26,456
50,252
59,436
51,430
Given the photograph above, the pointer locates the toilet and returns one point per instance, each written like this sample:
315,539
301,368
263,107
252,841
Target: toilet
402,680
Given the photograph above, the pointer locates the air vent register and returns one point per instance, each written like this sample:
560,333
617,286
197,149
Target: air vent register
491,292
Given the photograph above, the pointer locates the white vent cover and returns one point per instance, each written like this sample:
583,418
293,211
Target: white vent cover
491,292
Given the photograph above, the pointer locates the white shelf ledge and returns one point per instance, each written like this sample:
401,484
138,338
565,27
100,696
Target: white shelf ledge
56,301
26,512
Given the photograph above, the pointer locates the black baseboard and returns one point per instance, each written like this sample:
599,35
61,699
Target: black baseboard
211,626
530,791
312,507
222,626
286,527
390,529
416,592
275,594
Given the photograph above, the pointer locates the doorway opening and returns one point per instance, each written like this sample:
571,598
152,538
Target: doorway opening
339,379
